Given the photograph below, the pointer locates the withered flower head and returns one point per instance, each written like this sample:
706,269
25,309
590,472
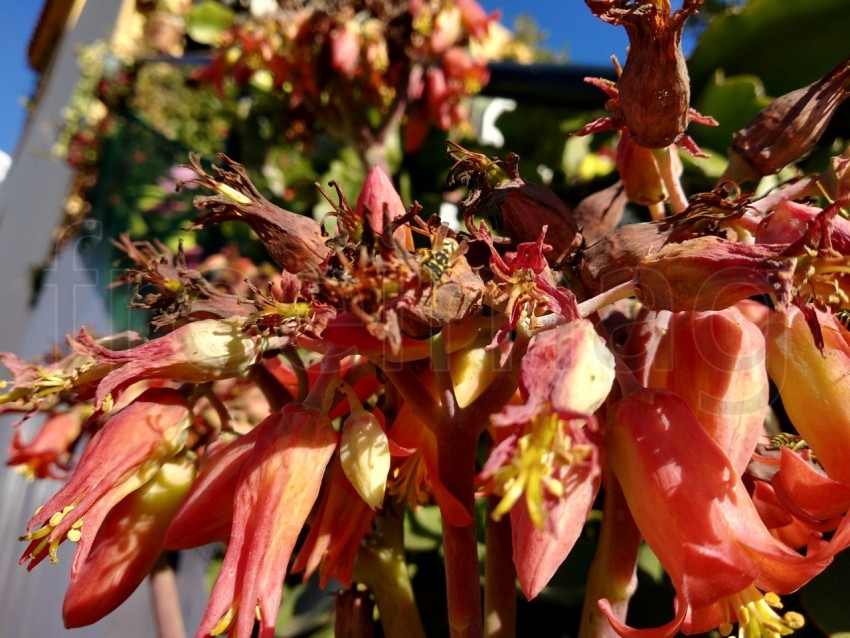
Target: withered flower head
294,241
611,261
788,128
163,282
710,273
524,208
654,87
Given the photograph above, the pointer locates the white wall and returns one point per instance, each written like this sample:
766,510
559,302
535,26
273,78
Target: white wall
31,202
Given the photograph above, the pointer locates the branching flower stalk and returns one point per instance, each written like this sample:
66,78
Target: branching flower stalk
551,361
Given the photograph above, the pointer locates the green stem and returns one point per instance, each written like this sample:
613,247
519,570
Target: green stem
300,372
322,393
612,295
413,392
220,409
381,566
675,192
353,614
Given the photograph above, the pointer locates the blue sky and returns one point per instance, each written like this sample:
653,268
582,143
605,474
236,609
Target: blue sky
17,82
568,23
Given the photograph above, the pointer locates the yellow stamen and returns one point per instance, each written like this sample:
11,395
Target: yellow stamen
757,618
223,624
232,194
533,470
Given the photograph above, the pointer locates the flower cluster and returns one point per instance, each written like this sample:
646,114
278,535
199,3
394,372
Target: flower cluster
394,362
415,61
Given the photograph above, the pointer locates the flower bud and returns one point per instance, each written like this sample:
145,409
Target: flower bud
472,370
364,452
378,198
709,273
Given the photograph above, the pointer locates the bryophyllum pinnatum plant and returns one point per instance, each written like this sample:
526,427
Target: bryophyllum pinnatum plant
522,375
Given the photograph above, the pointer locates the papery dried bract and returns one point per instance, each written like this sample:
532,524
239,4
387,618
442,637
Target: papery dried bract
525,208
654,88
709,273
294,241
788,128
611,260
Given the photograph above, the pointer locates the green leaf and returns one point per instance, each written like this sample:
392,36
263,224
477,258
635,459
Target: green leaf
787,43
825,598
206,21
649,564
423,529
733,102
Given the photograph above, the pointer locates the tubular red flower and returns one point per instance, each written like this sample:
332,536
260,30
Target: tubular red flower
695,514
128,544
119,459
710,273
206,514
342,520
715,362
48,453
275,492
812,382
198,352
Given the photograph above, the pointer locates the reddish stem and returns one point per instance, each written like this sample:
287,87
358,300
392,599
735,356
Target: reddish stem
166,601
499,577
456,442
